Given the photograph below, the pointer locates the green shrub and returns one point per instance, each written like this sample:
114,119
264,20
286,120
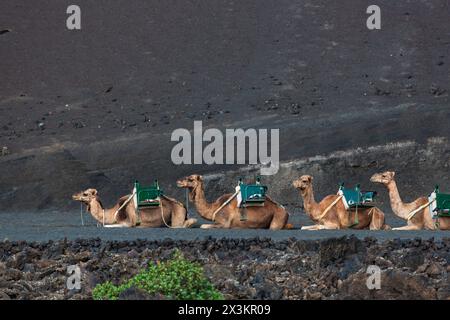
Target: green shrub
177,278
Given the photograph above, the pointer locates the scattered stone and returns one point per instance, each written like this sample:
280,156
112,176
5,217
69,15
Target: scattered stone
5,151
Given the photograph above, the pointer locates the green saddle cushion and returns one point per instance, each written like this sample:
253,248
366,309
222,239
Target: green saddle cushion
356,198
253,193
443,204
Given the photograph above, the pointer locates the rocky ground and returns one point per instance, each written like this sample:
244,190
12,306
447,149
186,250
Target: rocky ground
241,269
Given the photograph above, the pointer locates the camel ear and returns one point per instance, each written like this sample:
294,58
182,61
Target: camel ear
392,174
310,179
199,178
94,192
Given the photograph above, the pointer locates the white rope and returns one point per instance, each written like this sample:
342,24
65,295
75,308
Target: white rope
187,202
162,216
81,213
329,207
413,213
120,208
238,189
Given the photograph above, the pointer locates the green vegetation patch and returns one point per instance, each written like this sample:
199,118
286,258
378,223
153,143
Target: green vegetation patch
176,278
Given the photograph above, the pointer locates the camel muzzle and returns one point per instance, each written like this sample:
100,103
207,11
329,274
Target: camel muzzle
181,184
76,197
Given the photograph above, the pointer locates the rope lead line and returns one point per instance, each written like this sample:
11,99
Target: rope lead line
413,213
81,213
238,189
187,202
162,216
330,206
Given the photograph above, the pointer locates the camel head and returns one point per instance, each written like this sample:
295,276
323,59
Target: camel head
383,178
85,196
303,183
191,182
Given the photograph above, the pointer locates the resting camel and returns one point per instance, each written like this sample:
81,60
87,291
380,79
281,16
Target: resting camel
174,212
422,219
337,217
271,215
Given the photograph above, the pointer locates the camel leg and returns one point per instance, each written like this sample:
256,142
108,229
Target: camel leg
409,227
116,226
321,227
279,220
178,216
189,222
376,219
313,227
212,226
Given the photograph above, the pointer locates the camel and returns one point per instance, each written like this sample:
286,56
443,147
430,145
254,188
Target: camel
272,215
337,216
174,212
422,219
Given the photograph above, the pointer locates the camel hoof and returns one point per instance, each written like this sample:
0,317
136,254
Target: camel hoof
190,222
206,226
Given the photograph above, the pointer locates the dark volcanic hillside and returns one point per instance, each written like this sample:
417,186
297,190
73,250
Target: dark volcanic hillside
97,107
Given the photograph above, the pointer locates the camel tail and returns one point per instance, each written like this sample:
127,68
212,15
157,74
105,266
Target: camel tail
288,226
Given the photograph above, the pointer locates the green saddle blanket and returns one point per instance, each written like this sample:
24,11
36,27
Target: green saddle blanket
442,206
148,196
354,198
252,194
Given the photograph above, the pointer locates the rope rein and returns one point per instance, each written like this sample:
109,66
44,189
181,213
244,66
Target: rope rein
81,213
162,216
413,213
187,202
330,206
238,189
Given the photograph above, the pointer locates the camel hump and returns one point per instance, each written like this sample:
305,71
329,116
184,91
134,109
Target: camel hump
173,200
422,200
123,199
274,202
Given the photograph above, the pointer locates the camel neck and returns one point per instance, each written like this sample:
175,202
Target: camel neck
394,196
204,209
96,209
310,203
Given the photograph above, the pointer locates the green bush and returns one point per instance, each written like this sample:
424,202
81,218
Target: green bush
177,278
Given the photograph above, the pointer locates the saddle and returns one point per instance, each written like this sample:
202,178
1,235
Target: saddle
440,208
250,195
355,198
147,196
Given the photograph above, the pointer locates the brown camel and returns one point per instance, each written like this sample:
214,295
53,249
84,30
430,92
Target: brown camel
337,217
174,212
271,215
422,219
